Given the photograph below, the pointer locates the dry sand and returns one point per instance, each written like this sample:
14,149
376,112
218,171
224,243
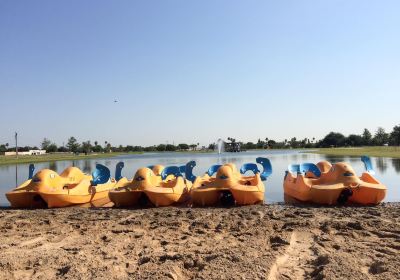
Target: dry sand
256,242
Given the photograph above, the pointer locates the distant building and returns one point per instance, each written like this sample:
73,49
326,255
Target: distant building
29,153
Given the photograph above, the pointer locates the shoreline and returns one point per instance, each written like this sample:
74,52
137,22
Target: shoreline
386,152
263,241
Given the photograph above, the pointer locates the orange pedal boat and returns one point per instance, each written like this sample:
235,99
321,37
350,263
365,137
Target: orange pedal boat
326,183
229,186
130,193
73,187
173,189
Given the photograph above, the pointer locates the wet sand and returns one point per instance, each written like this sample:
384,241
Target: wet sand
255,242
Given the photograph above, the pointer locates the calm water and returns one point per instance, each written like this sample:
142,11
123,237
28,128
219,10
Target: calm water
387,169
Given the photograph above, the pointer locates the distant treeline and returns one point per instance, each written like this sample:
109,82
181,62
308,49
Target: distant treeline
333,139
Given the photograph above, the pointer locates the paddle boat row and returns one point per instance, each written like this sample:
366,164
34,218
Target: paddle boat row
173,184
153,185
321,183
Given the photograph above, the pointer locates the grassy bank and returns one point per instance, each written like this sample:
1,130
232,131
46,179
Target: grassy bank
392,152
5,160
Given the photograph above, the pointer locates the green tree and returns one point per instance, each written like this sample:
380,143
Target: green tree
86,147
97,148
73,144
183,147
150,149
381,137
52,148
45,144
260,144
271,143
108,148
354,140
193,146
3,148
170,148
367,137
293,142
395,136
62,149
161,147
333,139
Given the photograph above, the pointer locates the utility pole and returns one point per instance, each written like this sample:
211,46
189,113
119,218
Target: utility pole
16,144
16,154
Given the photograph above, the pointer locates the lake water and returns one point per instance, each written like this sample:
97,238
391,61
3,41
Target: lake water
387,169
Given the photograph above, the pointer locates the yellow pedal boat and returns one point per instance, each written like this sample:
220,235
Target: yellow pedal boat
229,186
326,183
73,187
26,195
173,188
130,193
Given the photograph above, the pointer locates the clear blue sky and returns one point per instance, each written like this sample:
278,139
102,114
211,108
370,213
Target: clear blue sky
194,71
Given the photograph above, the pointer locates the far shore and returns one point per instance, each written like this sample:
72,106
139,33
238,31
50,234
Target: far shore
8,160
390,152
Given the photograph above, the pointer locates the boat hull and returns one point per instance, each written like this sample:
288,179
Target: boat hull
63,200
243,196
25,199
125,198
206,197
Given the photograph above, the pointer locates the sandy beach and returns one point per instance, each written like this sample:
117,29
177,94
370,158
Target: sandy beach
255,242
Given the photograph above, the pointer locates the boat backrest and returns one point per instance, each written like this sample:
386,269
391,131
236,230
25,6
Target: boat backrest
171,170
310,167
100,175
294,168
304,168
213,169
249,167
267,167
31,170
182,169
118,170
189,171
368,164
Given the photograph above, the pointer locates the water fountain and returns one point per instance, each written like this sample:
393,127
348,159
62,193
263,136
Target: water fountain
220,146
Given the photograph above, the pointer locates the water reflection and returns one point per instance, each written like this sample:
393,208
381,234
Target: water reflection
334,159
294,157
396,164
16,175
304,156
381,164
353,159
53,166
86,167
